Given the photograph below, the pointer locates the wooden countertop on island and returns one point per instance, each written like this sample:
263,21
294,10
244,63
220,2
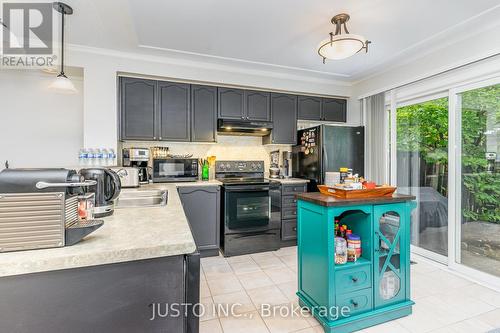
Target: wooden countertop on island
330,201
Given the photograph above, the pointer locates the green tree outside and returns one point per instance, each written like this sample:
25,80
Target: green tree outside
423,128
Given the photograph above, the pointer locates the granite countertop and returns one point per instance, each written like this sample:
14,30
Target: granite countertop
129,234
289,180
330,201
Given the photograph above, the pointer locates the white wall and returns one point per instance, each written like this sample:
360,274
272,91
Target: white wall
101,68
38,127
468,47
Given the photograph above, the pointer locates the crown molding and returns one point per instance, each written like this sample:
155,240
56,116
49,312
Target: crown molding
243,61
131,55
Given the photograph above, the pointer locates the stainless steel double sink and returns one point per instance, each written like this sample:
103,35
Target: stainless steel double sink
130,198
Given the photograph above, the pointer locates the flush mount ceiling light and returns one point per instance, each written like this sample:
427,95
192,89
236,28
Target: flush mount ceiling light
61,82
341,45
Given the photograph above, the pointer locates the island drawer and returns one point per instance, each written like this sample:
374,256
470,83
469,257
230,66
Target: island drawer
293,189
358,301
288,229
351,279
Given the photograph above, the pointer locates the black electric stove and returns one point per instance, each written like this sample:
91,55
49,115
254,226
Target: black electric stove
251,208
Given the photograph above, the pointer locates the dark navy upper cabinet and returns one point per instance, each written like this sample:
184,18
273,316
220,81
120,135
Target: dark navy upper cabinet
167,111
334,109
138,109
284,116
309,108
204,113
257,105
174,111
231,103
322,109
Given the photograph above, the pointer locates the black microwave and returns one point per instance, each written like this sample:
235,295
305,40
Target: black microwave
175,170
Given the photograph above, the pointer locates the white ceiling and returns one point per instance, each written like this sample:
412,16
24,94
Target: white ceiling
280,35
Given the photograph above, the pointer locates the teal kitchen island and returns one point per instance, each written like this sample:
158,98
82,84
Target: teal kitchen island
373,289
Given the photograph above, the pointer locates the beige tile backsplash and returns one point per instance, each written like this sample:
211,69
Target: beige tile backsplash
226,148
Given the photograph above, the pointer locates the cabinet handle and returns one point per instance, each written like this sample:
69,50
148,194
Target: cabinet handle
294,200
354,279
154,137
355,304
294,212
294,228
160,138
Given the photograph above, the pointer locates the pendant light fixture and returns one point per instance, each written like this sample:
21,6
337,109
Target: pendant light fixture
61,82
341,45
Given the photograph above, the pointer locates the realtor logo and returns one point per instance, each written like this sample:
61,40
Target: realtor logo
27,28
27,35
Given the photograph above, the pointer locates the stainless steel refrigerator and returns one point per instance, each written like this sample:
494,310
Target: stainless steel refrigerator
327,148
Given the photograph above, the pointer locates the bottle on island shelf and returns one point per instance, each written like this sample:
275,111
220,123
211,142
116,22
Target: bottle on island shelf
352,242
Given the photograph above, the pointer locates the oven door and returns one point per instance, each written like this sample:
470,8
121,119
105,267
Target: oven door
249,208
175,169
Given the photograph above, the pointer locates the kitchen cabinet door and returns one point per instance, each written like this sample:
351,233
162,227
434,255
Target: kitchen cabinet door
137,106
202,208
334,110
391,249
257,105
284,115
203,113
231,103
309,108
174,111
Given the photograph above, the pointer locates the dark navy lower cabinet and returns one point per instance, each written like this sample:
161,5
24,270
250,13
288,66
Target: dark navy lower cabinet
127,297
202,208
289,212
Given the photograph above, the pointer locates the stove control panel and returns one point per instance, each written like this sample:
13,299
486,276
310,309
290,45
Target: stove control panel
239,166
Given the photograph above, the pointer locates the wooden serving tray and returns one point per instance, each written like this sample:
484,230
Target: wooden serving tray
357,194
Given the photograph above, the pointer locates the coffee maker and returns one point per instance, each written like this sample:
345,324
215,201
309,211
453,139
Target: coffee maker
274,168
287,164
137,158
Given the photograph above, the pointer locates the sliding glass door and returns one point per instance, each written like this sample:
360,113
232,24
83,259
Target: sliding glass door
447,154
422,170
478,206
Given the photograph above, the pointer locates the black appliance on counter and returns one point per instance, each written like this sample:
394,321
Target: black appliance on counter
175,170
106,189
251,208
137,158
327,148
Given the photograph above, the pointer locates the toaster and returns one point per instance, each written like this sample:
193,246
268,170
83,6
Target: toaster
129,176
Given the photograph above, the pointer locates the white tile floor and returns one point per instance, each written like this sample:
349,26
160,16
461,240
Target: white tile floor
445,303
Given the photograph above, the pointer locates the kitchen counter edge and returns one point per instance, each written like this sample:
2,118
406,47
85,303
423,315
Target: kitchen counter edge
118,240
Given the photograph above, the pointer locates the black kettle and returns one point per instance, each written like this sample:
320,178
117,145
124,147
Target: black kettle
106,190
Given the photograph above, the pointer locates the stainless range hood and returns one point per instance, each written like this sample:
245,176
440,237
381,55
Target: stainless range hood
238,127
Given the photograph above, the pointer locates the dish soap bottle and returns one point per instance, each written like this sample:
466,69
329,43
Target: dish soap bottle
205,169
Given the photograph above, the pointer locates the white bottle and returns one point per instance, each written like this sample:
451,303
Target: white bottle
91,157
100,157
112,156
82,157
